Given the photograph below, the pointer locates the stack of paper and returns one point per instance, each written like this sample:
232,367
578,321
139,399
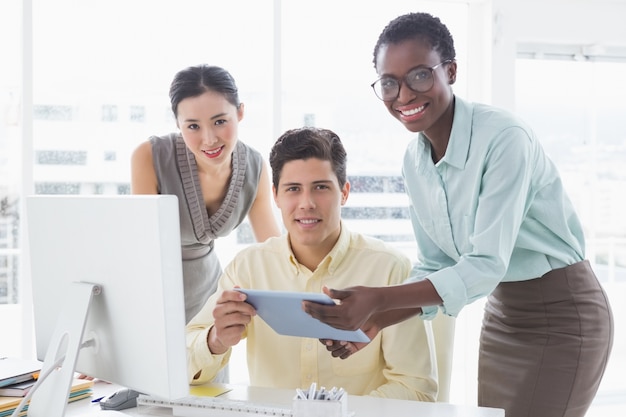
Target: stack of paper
17,390
81,388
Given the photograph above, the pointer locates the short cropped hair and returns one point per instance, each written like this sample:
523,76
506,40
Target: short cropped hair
305,143
418,26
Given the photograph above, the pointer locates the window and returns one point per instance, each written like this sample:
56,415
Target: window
61,157
137,114
53,112
10,159
109,113
57,188
110,156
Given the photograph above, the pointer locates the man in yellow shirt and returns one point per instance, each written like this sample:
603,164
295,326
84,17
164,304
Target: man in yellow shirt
310,186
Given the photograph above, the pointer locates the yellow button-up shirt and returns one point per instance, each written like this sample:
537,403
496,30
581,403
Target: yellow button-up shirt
398,363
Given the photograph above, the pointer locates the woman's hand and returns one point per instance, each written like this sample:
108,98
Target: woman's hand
343,349
356,305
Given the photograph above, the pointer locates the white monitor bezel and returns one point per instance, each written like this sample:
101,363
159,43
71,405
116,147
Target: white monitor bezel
129,245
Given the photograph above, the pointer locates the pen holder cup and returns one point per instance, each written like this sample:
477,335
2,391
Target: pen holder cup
321,408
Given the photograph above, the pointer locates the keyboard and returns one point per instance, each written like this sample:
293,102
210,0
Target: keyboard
193,406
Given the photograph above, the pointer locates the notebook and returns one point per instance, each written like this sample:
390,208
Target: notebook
15,370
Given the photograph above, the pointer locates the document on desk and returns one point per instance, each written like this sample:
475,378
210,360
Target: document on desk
282,311
81,388
208,390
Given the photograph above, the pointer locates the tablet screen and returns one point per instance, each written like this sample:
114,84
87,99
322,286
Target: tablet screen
282,311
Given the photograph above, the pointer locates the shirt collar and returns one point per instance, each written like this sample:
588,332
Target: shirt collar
332,259
339,251
457,151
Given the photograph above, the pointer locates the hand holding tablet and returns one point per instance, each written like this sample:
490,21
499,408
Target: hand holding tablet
282,311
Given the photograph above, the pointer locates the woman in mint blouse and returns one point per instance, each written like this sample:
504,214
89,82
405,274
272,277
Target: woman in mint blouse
491,219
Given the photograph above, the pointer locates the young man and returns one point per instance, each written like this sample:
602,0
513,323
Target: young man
310,186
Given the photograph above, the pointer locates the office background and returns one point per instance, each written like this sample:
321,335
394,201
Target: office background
83,82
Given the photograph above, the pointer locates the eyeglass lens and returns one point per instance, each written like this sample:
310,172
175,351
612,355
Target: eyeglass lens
419,79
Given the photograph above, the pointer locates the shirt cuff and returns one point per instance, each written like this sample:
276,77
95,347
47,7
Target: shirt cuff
451,289
209,363
430,312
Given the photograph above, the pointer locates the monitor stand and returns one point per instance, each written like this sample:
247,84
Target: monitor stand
51,396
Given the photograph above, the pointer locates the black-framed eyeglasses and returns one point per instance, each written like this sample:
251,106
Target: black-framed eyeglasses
419,79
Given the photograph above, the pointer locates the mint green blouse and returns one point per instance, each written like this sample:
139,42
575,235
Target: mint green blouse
492,209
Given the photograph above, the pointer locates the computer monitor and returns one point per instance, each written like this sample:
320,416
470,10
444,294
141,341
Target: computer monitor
108,269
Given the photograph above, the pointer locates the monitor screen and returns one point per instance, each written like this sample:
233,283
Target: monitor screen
129,247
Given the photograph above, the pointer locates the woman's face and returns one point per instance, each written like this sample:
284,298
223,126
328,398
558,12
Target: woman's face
418,112
208,124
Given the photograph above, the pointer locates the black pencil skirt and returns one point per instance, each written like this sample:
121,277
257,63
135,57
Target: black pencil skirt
545,343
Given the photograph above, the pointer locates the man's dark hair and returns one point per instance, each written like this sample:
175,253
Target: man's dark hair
305,143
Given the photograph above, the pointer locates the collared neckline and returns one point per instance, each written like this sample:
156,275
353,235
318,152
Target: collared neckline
332,259
457,151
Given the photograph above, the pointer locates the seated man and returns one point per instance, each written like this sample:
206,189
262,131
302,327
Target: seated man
310,186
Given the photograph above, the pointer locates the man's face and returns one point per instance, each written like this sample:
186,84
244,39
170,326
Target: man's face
310,199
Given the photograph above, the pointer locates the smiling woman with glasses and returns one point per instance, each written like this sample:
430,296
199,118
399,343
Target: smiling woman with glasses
420,79
491,219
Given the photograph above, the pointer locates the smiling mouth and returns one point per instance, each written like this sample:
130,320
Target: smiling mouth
413,111
213,151
307,221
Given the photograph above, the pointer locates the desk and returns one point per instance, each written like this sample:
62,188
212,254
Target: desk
363,406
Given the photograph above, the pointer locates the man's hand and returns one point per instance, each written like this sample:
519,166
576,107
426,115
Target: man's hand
232,314
356,305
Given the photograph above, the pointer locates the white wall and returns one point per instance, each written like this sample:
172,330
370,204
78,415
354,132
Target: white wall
568,21
508,24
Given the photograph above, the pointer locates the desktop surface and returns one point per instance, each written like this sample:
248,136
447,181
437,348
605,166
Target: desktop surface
362,406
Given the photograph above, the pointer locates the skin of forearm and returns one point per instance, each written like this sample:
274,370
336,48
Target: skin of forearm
410,295
391,317
401,302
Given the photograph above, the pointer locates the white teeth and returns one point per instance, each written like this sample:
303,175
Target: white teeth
308,221
212,152
413,111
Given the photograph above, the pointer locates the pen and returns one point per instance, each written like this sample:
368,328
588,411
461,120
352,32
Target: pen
337,395
97,400
300,394
312,389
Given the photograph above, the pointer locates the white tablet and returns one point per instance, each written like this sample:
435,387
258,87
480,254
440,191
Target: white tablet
282,311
